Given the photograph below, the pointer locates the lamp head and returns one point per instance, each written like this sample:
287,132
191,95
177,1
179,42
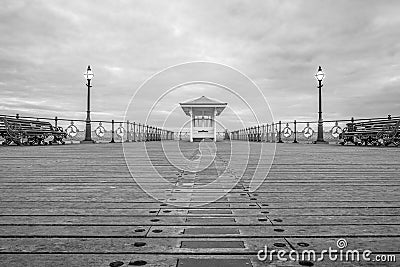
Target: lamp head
89,73
320,75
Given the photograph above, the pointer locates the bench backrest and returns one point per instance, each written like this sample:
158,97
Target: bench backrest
25,125
374,125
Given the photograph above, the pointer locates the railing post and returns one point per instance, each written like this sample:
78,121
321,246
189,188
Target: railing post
17,116
127,131
56,122
134,132
112,132
273,137
267,133
280,132
139,133
157,134
250,134
295,132
148,133
258,134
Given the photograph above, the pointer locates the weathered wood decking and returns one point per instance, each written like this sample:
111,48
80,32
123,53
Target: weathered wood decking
77,205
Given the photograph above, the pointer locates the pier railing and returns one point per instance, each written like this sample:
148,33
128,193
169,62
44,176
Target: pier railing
297,131
106,130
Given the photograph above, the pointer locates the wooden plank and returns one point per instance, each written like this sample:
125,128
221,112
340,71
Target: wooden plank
173,245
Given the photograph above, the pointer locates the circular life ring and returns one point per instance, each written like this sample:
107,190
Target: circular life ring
72,130
287,132
308,132
336,131
100,131
120,131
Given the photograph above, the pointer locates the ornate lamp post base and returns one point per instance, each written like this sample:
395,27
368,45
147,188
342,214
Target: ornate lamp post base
88,142
321,142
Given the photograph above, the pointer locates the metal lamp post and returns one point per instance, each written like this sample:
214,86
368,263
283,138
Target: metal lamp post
320,75
88,134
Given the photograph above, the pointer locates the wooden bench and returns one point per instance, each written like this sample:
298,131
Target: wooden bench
29,132
372,132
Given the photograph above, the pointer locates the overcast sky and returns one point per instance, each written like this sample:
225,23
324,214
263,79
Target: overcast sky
45,47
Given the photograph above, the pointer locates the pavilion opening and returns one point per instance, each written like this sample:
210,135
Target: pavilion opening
203,112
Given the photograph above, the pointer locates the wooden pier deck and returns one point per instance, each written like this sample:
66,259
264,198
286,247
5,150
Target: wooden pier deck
77,205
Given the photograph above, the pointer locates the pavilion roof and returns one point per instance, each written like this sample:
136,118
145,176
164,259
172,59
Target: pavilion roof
202,101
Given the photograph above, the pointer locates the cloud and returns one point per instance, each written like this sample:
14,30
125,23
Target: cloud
46,46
